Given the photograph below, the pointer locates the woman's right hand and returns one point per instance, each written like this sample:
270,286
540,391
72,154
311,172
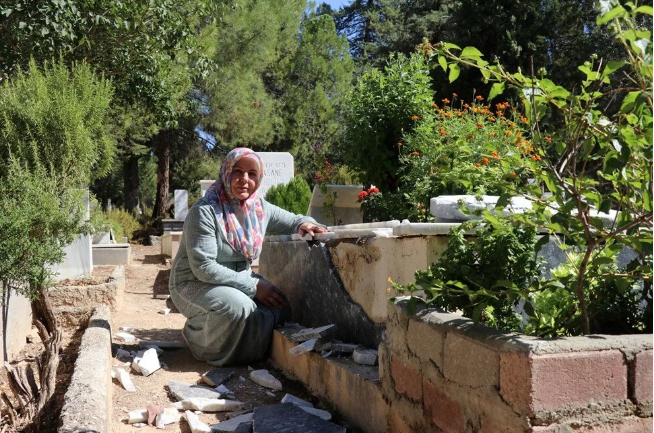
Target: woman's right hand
270,295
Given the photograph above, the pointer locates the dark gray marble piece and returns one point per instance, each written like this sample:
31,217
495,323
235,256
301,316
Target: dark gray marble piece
288,418
244,427
217,376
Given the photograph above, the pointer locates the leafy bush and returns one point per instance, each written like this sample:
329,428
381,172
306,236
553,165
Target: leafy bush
293,196
484,277
100,223
125,223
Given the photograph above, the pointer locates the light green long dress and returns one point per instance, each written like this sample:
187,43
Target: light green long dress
213,286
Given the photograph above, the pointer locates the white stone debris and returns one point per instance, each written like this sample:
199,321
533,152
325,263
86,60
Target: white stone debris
289,398
302,348
168,416
208,404
263,378
195,424
250,368
123,378
161,296
127,328
241,378
317,412
147,364
139,424
138,415
272,394
164,311
122,354
125,336
327,353
223,389
232,424
365,356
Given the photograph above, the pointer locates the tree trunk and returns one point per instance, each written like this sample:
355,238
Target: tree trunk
163,144
131,183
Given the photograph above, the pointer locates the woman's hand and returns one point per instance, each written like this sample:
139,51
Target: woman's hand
270,295
311,229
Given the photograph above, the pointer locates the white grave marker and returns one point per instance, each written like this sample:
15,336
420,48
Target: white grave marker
278,167
181,204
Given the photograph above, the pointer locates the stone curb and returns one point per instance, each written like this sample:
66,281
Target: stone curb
90,296
87,402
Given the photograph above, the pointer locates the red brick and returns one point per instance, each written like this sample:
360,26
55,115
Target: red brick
642,366
631,425
566,380
515,381
407,380
445,412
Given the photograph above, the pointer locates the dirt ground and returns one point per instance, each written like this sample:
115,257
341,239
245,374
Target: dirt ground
146,276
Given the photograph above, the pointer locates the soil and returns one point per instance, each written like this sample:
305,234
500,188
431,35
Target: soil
147,276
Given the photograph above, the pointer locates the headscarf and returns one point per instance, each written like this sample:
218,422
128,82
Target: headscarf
240,221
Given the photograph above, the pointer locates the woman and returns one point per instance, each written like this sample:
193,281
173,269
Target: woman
231,312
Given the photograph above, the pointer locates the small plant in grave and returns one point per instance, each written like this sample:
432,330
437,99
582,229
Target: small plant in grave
592,163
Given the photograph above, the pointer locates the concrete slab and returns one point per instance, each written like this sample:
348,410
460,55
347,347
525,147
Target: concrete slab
288,418
111,254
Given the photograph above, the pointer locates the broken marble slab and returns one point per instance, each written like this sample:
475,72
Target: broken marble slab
232,424
223,389
195,424
124,379
217,376
302,348
127,328
317,412
263,378
164,311
244,427
138,415
124,336
147,346
310,333
343,347
289,398
289,418
365,356
122,354
208,404
185,391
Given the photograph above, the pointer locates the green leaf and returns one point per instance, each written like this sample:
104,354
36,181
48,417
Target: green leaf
613,13
613,66
455,70
451,46
496,89
476,313
647,10
542,242
471,53
443,62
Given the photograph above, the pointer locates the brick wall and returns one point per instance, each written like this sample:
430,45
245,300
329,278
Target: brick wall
440,372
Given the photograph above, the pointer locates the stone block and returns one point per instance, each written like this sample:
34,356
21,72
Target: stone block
111,254
181,204
407,380
642,377
568,380
443,411
278,168
515,381
426,343
468,362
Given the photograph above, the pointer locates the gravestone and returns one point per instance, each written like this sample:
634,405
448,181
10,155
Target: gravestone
278,168
346,207
204,186
181,204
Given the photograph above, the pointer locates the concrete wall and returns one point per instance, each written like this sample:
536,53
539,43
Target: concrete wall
439,370
78,261
16,323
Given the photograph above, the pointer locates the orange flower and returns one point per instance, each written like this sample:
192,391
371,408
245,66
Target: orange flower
466,106
513,174
524,120
449,114
445,101
479,125
470,137
454,95
433,105
492,134
400,143
491,119
477,164
485,160
415,118
442,131
533,157
548,139
414,153
509,132
479,98
495,155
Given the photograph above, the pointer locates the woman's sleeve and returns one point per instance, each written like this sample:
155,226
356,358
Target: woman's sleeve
283,221
202,250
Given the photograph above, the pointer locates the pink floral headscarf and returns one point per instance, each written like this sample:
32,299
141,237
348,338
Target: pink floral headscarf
240,221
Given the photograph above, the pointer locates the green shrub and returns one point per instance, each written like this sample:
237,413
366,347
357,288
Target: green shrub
124,222
99,222
294,196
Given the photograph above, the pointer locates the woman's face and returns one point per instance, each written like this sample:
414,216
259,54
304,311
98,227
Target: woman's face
245,178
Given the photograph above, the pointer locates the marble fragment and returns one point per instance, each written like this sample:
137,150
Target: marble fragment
265,379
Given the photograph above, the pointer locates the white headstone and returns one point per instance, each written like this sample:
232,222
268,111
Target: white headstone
204,186
278,167
181,204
